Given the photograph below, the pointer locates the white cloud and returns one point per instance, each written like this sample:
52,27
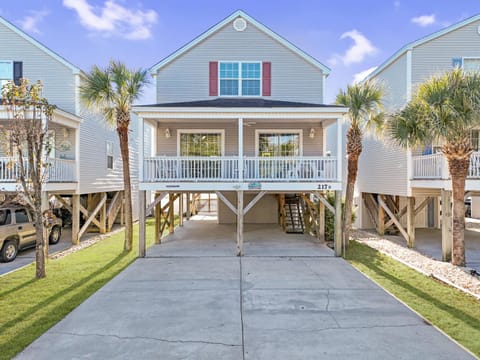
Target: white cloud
30,22
361,48
424,20
114,19
363,74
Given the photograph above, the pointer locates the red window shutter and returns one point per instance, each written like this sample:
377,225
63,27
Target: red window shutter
266,79
213,78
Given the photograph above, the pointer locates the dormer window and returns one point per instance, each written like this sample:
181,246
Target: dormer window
240,78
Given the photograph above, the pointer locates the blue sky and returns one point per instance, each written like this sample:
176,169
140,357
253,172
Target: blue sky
350,37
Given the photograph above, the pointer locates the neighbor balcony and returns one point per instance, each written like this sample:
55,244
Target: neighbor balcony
235,169
435,167
58,170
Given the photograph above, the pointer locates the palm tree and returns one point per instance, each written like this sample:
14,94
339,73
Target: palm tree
364,102
112,91
445,108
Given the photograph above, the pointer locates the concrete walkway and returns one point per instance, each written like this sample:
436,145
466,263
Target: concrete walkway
288,298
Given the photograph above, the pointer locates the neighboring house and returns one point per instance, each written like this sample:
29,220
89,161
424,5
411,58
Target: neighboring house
86,168
418,177
240,112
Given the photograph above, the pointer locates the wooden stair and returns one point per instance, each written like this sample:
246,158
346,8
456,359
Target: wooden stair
294,212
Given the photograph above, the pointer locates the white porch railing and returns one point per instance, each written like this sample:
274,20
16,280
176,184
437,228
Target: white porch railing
429,166
226,168
435,166
59,170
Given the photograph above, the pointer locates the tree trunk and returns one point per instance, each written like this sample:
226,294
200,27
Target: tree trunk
123,137
40,247
458,172
354,149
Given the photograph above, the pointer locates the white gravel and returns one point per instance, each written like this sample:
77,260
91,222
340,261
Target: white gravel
446,272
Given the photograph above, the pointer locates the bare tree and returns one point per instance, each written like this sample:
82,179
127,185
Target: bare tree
29,145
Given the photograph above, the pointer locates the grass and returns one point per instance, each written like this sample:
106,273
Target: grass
451,310
29,307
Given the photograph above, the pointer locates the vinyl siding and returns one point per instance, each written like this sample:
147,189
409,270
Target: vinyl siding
382,166
187,77
435,56
57,78
168,147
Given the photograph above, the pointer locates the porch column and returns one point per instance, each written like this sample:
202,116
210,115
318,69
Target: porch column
411,221
189,209
447,237
240,223
180,210
339,150
142,226
240,150
338,235
75,219
380,218
141,150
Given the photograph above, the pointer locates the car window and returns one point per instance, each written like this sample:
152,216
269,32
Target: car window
21,216
5,217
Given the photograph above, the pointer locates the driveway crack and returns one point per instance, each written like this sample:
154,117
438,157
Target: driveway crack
149,338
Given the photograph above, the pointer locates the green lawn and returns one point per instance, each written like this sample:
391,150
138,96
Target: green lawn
451,310
29,307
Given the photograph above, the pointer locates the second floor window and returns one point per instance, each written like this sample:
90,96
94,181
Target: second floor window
240,78
6,72
109,155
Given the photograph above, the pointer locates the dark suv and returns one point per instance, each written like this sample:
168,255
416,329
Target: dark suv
17,231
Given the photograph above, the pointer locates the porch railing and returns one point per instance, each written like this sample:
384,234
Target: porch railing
58,170
231,168
435,167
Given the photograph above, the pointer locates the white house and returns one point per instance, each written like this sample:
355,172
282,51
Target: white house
414,185
86,168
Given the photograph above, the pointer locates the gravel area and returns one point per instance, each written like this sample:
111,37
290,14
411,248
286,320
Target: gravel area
446,272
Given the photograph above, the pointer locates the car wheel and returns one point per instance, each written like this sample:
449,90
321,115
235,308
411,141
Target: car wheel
9,251
54,235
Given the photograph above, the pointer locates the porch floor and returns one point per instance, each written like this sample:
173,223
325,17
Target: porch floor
202,236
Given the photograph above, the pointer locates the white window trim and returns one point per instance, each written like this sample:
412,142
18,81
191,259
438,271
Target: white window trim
469,58
278,131
107,154
240,78
202,131
4,81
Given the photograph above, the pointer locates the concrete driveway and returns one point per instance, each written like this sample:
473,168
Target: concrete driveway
288,298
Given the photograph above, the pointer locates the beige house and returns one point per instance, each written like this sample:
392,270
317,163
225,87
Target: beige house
240,113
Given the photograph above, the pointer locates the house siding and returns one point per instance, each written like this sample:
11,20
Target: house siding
168,147
57,79
187,77
379,160
435,56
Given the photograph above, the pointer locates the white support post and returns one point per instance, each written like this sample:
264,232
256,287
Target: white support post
339,150
240,150
141,144
142,224
447,236
338,234
240,223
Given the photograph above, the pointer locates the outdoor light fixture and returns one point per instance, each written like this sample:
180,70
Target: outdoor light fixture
312,133
66,133
167,133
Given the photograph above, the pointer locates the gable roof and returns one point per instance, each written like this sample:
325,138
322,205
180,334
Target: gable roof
421,41
217,27
42,47
242,103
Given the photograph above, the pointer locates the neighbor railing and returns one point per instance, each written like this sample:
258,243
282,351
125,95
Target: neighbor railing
227,168
435,166
58,170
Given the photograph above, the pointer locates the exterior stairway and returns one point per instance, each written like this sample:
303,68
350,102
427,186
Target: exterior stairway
294,211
